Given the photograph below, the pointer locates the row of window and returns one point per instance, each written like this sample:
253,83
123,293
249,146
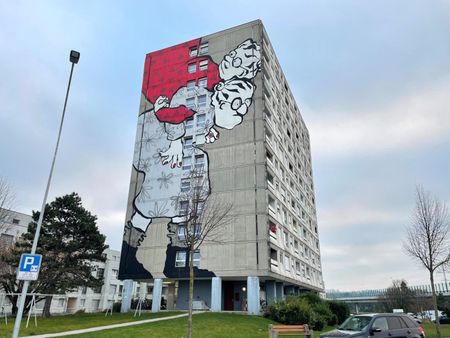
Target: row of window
182,231
292,265
201,102
202,66
203,49
184,207
181,257
200,121
199,162
202,83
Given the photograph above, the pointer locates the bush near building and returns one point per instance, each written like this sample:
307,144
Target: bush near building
308,309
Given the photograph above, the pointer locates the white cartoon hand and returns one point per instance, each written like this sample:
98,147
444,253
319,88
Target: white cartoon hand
212,135
161,102
173,155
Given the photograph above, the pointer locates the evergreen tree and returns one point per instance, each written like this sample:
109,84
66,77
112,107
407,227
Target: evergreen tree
69,242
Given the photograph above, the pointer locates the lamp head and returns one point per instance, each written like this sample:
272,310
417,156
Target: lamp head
74,56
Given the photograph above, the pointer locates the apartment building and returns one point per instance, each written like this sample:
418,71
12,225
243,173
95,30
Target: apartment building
221,103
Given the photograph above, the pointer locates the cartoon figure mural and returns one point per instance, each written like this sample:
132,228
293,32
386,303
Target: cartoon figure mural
186,103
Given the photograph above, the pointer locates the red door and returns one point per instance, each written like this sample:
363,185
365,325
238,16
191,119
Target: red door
228,296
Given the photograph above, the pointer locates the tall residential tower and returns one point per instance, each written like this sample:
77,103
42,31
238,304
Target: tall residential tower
221,104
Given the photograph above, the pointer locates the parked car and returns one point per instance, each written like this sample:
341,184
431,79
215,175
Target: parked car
377,325
444,320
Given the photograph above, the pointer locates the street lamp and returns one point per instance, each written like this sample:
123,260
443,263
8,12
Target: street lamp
74,58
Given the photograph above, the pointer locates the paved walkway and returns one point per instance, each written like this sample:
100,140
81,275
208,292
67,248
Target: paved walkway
106,327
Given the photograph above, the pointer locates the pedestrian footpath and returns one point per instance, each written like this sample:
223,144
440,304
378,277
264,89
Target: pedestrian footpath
106,327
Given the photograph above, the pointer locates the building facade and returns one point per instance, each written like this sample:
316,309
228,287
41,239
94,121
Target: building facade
12,225
221,104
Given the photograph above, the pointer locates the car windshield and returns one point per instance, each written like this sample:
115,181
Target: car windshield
355,323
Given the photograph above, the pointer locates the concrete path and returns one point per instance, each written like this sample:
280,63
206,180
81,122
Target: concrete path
106,327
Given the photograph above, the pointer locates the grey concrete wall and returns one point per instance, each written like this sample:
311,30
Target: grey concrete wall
202,291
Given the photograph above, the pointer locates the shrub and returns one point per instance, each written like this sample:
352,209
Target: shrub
340,309
312,298
308,309
293,310
324,316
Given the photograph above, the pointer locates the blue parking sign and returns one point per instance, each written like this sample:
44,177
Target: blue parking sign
29,267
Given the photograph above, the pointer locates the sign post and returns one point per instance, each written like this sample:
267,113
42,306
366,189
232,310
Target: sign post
29,267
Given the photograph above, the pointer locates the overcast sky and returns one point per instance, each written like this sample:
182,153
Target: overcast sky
372,80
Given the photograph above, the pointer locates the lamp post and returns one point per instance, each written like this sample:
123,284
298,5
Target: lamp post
74,58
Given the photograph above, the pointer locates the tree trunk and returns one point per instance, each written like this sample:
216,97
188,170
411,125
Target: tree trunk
436,313
191,289
46,311
13,301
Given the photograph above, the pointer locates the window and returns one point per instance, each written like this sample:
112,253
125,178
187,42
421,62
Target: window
61,302
197,229
203,65
394,323
115,272
15,221
185,185
83,290
187,143
297,267
190,85
193,51
180,259
204,48
199,139
201,119
196,258
272,227
100,272
187,163
295,244
192,68
190,103
181,232
286,239
380,323
200,206
269,178
269,156
271,203
286,263
203,82
189,123
184,206
273,254
202,101
112,289
199,161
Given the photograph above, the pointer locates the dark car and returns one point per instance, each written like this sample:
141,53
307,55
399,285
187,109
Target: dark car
379,325
444,320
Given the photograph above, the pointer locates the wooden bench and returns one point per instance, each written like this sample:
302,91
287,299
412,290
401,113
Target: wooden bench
276,331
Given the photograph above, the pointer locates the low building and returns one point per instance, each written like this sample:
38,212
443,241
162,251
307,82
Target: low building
83,299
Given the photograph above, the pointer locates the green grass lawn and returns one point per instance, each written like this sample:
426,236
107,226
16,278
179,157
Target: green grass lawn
74,322
430,330
208,325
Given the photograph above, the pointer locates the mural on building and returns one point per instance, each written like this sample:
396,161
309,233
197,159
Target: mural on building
188,97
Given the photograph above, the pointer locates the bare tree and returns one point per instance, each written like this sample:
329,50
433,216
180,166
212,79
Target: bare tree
6,203
427,238
205,221
398,296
